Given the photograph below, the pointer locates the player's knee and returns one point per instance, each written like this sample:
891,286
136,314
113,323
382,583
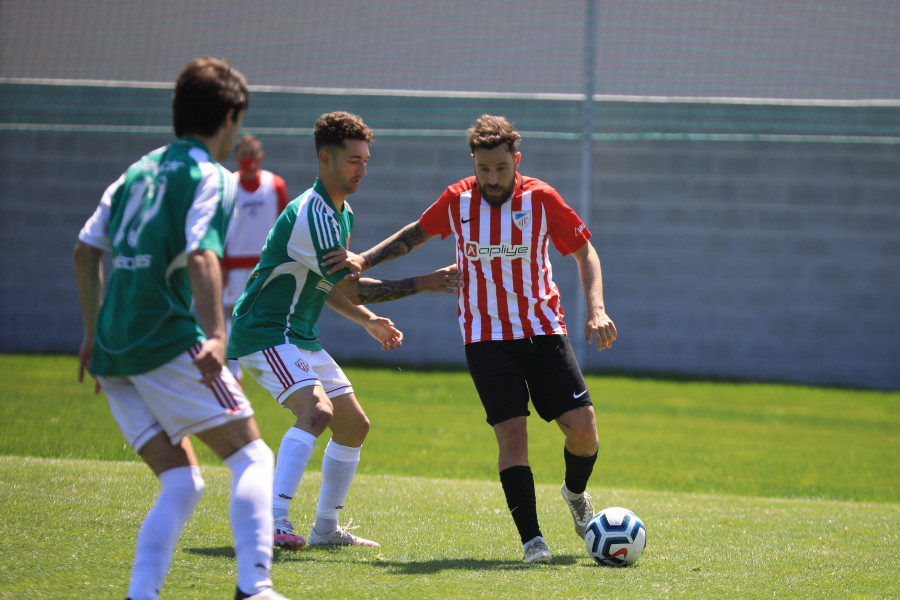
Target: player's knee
320,416
362,427
582,438
184,482
584,443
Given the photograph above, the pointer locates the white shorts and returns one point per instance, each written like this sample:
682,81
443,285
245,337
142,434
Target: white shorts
171,398
234,287
286,368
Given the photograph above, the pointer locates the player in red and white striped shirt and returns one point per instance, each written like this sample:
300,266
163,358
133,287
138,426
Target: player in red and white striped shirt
511,317
261,196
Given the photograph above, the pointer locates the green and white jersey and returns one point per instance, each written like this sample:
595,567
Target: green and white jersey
174,200
288,288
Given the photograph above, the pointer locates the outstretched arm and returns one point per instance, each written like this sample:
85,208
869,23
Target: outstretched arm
403,242
367,291
598,327
380,328
88,265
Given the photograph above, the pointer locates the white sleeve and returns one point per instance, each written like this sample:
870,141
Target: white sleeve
301,248
96,230
205,206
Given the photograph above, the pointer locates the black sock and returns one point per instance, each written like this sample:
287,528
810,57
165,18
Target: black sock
518,485
578,471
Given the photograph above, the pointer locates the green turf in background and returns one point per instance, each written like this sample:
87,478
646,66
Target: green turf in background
720,438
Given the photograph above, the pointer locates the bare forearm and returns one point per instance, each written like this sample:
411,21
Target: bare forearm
403,242
342,305
366,290
598,327
89,280
592,282
206,285
591,277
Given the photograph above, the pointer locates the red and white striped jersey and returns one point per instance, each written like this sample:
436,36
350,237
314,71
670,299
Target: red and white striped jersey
255,211
506,280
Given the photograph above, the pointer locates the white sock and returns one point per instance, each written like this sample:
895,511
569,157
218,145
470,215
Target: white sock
251,516
296,448
180,490
338,470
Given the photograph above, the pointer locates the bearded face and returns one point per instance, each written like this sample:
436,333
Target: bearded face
495,171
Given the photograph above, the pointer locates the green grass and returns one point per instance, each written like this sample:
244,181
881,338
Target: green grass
747,491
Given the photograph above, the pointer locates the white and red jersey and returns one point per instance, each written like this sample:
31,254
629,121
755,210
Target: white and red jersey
255,211
507,290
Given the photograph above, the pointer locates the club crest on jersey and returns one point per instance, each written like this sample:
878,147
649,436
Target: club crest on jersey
303,365
521,218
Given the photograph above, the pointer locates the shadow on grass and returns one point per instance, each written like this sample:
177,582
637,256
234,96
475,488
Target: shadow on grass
430,567
410,567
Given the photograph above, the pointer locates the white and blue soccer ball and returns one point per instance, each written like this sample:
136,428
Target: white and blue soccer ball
615,537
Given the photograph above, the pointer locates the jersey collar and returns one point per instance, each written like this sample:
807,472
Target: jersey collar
319,188
190,140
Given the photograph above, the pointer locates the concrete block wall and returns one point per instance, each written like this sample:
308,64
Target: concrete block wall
754,260
747,260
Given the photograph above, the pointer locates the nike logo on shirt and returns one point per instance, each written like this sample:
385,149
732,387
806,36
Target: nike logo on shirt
467,220
574,395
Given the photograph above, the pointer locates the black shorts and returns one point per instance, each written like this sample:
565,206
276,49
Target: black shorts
507,372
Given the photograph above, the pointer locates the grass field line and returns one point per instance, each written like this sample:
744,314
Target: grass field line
400,479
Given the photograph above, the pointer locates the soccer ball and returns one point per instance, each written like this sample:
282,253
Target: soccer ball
615,537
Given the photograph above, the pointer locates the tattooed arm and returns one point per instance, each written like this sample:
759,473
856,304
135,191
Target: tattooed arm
403,242
366,290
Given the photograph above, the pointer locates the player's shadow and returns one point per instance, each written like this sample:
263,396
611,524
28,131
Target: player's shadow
410,567
221,551
430,567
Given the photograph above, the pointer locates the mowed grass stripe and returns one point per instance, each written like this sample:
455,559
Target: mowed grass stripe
68,526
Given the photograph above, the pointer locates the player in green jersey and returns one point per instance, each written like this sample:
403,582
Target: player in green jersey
274,331
164,222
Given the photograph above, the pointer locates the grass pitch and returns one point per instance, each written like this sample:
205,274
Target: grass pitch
747,491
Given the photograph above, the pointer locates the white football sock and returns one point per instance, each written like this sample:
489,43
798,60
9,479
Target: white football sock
338,470
251,515
296,448
180,490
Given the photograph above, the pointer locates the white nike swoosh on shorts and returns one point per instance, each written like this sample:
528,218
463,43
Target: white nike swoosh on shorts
574,395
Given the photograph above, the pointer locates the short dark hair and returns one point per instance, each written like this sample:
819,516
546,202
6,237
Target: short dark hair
333,128
490,131
206,89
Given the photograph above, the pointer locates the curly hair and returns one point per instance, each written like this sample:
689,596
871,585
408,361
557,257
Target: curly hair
333,128
490,131
206,89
